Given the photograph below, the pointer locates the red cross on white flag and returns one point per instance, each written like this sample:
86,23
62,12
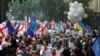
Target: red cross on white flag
3,29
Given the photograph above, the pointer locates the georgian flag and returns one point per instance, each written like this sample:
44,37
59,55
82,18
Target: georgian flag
21,30
3,29
24,26
27,23
53,23
16,25
42,29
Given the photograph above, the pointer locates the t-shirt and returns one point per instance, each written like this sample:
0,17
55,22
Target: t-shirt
71,45
0,47
38,46
58,52
47,52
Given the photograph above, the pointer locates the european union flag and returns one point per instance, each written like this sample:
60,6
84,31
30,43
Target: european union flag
33,19
96,46
30,32
32,27
88,28
10,28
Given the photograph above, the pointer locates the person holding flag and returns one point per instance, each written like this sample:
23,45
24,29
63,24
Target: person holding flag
31,31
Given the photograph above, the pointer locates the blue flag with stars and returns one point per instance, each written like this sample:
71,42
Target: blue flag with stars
10,27
32,27
96,46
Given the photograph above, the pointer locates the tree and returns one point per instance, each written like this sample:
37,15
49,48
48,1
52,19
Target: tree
14,8
50,9
53,8
3,9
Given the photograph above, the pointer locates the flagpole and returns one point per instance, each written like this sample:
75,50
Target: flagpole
2,10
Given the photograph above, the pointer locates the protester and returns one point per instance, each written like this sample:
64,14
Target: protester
45,51
66,51
49,41
59,49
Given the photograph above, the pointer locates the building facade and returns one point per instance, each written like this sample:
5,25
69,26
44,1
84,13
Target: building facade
95,5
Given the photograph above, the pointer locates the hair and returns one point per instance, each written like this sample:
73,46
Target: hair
46,42
10,52
77,52
59,43
65,44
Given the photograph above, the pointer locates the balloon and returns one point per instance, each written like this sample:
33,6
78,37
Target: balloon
71,8
80,4
81,11
70,14
76,12
71,4
76,4
79,19
69,18
76,15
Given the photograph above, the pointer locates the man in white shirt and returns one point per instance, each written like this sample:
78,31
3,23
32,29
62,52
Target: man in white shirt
59,49
45,50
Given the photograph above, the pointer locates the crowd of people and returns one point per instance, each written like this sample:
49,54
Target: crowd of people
67,42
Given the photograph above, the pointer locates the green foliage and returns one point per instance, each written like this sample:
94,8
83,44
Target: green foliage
19,10
52,8
15,8
40,8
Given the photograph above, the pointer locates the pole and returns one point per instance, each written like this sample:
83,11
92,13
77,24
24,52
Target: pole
2,11
98,5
